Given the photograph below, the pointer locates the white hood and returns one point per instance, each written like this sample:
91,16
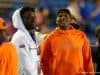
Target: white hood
17,21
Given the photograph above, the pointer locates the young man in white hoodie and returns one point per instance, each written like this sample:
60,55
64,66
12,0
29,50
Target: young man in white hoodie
24,40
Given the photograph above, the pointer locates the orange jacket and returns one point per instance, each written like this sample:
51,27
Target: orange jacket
8,60
66,53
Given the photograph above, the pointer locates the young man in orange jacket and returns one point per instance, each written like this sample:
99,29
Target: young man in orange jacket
66,51
8,54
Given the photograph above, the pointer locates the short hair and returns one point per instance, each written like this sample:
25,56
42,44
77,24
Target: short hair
63,11
25,9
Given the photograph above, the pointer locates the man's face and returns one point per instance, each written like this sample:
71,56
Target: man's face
45,12
29,19
63,20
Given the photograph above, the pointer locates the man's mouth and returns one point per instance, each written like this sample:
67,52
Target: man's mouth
62,24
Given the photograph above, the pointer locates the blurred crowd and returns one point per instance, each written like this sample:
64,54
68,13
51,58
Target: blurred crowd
86,14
